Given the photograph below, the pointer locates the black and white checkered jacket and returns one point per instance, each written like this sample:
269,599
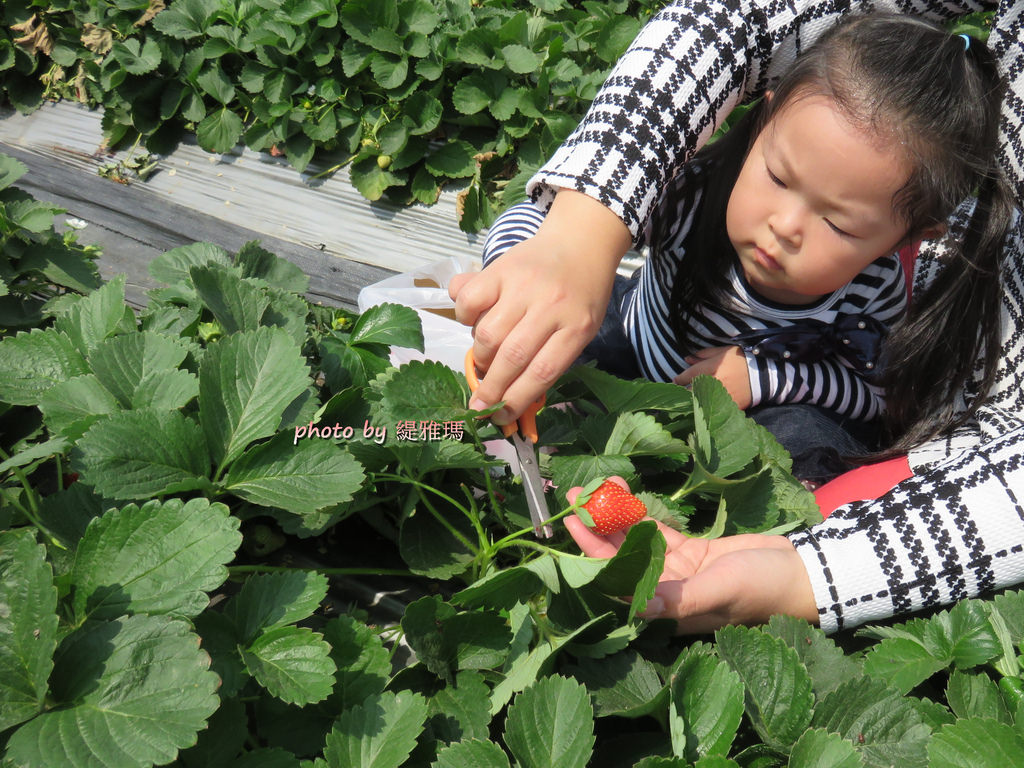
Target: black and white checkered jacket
957,528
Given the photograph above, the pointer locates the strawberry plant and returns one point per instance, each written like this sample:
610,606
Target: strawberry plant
409,94
35,263
184,491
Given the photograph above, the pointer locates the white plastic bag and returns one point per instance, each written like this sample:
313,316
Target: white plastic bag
426,290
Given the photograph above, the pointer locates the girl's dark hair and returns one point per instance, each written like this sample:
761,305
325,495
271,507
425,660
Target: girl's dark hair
939,96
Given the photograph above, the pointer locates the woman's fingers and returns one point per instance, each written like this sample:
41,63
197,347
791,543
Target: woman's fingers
590,543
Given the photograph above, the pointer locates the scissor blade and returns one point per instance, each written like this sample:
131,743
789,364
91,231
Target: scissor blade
533,484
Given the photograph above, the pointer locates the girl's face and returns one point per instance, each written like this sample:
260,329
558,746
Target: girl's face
813,204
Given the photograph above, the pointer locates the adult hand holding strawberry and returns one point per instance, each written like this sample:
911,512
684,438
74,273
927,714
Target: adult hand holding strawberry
708,583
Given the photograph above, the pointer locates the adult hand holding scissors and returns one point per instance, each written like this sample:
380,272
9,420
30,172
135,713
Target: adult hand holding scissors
536,307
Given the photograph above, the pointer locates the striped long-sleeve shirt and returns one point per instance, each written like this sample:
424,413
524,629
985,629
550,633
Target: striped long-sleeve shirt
879,292
957,528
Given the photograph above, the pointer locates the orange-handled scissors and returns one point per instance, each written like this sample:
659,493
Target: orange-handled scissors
529,469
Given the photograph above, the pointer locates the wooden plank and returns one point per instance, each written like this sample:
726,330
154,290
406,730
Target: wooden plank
134,227
341,240
262,193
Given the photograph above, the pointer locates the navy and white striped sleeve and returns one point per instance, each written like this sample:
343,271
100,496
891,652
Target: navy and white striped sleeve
518,223
827,383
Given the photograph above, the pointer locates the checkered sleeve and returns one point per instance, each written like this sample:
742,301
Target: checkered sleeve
696,60
955,531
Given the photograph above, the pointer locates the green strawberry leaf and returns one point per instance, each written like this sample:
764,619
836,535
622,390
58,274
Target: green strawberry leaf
10,171
707,704
246,383
819,749
28,626
238,304
885,726
71,407
138,690
160,558
364,664
258,262
95,317
504,588
460,710
975,695
299,476
271,600
623,684
219,131
292,663
420,392
30,215
472,753
174,266
551,725
975,743
140,454
31,363
779,697
826,663
635,569
455,159
915,650
138,58
131,365
619,395
378,734
639,434
446,640
186,19
392,324
521,60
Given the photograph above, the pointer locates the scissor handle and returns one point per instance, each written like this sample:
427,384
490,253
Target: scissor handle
527,423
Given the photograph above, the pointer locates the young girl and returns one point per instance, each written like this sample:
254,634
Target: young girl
774,260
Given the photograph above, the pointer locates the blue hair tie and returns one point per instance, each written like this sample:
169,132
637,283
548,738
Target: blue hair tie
967,42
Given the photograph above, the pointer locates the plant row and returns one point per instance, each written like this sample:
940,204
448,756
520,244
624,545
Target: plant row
409,94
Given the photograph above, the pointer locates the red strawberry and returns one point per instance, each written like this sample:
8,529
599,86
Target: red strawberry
613,508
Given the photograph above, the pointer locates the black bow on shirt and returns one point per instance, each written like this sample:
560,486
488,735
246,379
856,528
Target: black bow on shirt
855,339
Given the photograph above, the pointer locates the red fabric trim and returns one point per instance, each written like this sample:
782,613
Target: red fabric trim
862,484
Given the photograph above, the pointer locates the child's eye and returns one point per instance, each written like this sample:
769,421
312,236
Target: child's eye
837,230
775,179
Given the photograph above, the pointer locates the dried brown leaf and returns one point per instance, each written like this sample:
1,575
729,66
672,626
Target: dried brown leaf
155,6
80,93
96,39
35,36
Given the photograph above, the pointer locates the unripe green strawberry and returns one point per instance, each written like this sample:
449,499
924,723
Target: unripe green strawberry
613,508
